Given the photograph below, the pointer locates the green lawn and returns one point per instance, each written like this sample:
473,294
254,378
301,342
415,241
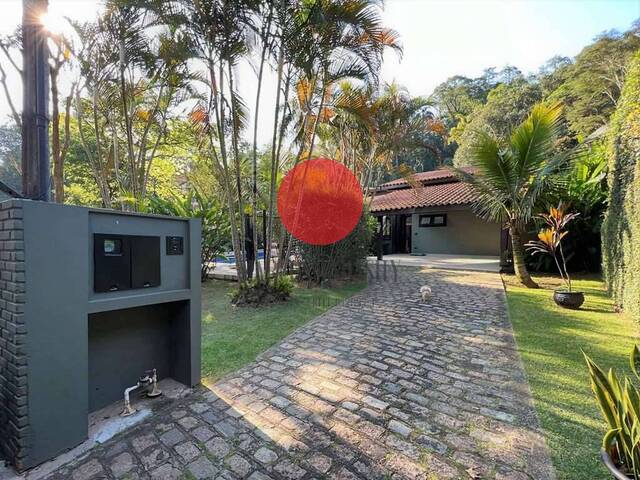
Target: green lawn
549,339
234,336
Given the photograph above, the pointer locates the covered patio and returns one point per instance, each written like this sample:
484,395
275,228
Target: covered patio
474,263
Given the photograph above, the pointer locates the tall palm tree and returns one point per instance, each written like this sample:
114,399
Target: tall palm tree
331,41
511,175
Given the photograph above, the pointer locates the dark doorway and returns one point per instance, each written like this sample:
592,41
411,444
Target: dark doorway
401,237
407,234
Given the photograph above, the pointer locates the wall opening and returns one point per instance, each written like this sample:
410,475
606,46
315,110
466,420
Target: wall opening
123,344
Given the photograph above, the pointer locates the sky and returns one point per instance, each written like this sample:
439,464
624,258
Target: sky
441,38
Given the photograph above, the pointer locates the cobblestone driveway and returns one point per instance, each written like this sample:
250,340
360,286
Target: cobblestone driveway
382,386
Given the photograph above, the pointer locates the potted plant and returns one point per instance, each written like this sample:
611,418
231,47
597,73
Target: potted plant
619,403
550,243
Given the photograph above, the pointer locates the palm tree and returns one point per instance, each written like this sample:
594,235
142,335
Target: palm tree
328,42
511,175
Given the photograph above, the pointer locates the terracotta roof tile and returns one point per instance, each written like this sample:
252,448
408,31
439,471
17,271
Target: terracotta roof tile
453,193
425,177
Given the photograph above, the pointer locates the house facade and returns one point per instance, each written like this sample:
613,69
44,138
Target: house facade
431,213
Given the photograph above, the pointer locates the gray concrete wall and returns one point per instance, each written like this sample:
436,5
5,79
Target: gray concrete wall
56,254
174,269
46,275
464,234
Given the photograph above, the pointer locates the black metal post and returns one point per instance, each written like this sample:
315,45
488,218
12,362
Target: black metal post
36,182
264,233
379,233
249,247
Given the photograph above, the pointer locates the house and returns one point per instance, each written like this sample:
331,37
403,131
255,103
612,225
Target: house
431,212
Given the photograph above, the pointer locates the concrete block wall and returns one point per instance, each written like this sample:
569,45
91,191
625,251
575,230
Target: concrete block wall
14,425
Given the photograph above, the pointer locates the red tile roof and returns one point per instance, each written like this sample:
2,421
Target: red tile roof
443,194
435,176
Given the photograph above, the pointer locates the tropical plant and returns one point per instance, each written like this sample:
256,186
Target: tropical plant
619,402
511,175
256,293
585,192
348,43
550,239
133,75
378,130
215,223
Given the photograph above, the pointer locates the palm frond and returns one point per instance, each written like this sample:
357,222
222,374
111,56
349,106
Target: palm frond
533,141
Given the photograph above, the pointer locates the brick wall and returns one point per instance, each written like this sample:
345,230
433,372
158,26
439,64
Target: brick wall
14,427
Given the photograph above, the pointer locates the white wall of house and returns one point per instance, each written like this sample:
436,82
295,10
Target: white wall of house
464,234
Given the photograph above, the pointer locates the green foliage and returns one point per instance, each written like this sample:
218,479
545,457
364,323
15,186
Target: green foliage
215,224
554,73
585,188
594,82
255,294
621,226
507,106
584,192
619,402
512,175
458,97
344,259
11,156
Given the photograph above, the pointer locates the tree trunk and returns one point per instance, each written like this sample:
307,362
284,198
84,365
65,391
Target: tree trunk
518,259
264,36
274,169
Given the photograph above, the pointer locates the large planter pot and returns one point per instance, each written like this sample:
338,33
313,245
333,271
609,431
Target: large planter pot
608,462
568,299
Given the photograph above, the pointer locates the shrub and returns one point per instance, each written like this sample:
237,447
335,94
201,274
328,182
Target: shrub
621,226
344,259
255,294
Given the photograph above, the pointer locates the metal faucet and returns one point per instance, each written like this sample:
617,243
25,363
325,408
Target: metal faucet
150,378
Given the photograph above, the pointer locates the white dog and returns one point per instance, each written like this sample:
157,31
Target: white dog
425,292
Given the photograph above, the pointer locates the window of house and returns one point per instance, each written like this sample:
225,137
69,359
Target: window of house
437,220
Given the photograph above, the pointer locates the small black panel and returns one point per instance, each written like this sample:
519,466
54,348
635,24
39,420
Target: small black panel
122,262
175,245
145,262
111,263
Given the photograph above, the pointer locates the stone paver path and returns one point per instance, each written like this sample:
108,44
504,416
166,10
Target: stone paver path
381,386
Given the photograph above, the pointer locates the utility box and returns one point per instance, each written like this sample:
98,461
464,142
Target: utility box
90,299
123,262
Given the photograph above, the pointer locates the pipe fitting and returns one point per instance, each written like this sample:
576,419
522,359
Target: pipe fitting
155,391
150,378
